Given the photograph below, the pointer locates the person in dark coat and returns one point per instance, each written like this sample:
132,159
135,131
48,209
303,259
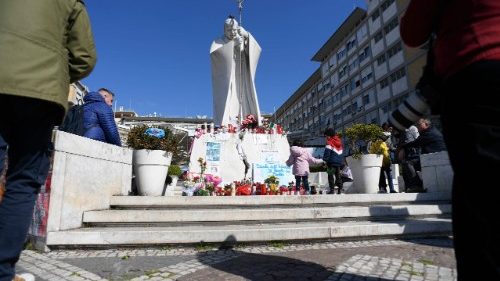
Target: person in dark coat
98,117
467,56
334,159
430,140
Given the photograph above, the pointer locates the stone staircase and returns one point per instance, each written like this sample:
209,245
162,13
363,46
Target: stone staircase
138,220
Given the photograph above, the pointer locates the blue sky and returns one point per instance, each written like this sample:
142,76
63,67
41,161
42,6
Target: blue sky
154,54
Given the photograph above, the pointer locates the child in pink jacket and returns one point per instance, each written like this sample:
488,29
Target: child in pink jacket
300,158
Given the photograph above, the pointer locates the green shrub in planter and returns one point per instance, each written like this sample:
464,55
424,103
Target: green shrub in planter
362,132
174,170
138,139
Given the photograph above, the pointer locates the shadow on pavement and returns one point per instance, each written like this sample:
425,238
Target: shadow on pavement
262,267
442,242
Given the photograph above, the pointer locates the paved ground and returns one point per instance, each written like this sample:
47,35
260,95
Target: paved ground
389,259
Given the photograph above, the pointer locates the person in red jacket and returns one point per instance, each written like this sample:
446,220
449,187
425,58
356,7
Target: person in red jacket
467,57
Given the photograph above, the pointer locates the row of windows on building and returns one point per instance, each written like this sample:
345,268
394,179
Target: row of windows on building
384,6
391,25
355,83
335,98
366,76
347,88
344,70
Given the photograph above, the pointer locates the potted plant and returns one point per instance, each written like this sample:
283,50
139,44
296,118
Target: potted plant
365,167
272,183
153,151
360,135
174,172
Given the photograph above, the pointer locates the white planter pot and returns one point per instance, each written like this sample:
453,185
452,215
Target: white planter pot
365,173
150,168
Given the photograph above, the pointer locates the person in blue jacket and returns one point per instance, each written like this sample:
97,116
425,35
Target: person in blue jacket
98,117
334,159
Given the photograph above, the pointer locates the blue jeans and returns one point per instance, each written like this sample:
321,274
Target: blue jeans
385,173
25,138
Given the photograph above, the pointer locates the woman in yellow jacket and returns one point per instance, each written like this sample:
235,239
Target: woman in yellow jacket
380,147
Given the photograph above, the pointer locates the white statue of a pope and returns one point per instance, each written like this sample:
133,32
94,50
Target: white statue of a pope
234,59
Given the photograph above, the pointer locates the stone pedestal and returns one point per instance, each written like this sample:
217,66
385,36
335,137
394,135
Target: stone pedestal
437,174
223,159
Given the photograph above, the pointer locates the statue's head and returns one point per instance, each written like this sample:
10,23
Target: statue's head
230,28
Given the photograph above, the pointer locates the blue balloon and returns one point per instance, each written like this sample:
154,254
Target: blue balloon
155,132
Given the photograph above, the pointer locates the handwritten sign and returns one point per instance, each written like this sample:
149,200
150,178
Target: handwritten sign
262,171
270,156
213,151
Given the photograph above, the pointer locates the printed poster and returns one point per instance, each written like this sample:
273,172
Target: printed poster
213,151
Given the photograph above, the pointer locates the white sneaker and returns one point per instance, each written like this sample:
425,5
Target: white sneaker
24,277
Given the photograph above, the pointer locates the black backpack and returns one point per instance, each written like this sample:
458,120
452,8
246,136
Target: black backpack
73,121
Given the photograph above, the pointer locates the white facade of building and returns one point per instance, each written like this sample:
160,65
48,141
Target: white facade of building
366,72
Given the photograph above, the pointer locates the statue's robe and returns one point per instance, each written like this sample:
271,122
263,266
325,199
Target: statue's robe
233,79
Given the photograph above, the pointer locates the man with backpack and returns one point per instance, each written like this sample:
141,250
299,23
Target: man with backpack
98,117
73,121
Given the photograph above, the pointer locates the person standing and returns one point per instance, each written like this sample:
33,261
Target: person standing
98,118
234,59
334,159
390,141
41,53
410,160
467,57
300,158
380,147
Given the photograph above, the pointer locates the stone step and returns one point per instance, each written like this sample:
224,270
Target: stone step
129,236
259,214
269,200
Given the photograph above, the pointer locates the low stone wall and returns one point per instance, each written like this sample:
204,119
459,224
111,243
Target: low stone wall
437,174
85,174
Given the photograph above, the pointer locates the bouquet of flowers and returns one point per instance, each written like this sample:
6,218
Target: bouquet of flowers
283,190
272,180
189,188
250,122
243,188
215,180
